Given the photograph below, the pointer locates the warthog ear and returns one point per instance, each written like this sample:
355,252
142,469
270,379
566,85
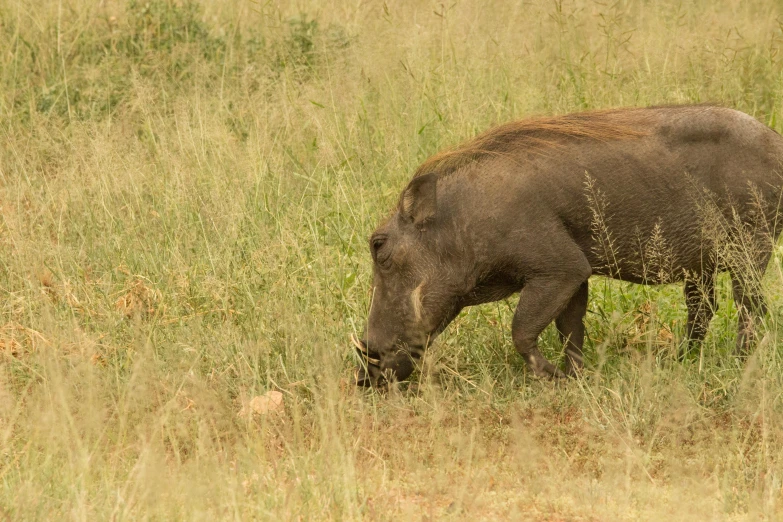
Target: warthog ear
419,199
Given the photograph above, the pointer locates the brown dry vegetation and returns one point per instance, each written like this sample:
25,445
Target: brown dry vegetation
186,190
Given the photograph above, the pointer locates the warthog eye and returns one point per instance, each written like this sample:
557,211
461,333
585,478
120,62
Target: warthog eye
379,254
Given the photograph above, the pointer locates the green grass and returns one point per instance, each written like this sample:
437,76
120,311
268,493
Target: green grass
186,191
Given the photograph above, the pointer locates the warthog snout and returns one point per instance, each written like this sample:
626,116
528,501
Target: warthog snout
376,370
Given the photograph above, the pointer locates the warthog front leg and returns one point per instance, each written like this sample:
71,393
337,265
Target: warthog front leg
541,300
571,329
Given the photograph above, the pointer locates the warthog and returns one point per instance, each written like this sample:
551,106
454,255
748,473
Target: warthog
650,195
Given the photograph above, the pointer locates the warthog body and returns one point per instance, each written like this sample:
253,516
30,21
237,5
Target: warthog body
651,196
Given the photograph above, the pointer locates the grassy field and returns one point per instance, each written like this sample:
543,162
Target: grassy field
186,193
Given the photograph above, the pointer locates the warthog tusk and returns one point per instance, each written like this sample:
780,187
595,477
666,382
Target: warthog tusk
357,343
362,349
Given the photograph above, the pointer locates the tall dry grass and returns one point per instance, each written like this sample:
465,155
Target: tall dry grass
186,190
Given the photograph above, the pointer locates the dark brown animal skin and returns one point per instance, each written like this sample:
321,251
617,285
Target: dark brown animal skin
653,195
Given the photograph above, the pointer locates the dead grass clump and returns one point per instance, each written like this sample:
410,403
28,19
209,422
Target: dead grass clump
138,299
17,340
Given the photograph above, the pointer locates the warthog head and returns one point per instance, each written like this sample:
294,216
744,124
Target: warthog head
412,297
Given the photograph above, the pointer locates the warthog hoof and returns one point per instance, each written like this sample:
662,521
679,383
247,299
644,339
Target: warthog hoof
544,369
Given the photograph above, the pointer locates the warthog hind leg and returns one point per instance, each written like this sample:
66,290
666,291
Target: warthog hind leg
751,307
701,303
747,268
